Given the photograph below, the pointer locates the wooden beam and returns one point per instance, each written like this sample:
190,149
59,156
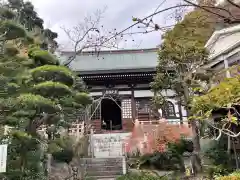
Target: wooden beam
133,102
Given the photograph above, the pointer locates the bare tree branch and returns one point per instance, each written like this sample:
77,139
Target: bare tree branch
210,9
91,35
234,4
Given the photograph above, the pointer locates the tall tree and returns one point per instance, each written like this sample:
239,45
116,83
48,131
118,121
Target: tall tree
180,56
35,91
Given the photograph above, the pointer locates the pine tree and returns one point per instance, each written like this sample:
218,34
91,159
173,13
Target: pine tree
35,90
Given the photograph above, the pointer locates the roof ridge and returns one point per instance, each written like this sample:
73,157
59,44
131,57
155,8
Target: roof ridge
117,51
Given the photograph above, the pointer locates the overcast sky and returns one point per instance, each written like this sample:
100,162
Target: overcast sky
119,13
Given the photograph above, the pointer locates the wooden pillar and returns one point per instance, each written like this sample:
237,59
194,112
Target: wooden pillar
180,110
133,103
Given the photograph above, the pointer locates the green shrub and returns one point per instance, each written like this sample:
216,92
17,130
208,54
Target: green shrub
54,73
217,152
6,13
215,171
13,30
31,101
83,98
172,159
160,161
42,57
65,155
232,176
55,89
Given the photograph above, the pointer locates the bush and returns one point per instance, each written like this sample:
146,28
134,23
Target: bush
55,89
233,176
53,73
83,98
13,30
64,155
172,159
217,153
32,101
42,57
215,171
160,160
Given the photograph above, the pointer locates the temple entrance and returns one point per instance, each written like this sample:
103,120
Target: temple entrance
111,115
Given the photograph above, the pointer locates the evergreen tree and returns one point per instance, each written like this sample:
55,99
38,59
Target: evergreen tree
35,90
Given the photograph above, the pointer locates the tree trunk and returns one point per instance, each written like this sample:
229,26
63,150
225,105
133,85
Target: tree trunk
195,158
182,165
180,111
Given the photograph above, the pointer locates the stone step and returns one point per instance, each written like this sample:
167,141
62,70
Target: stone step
95,169
104,177
104,173
101,160
103,167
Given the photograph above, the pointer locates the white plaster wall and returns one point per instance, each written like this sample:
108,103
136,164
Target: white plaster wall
143,93
125,92
96,93
149,93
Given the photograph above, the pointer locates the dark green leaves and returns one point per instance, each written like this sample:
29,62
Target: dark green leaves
12,30
53,73
43,57
52,89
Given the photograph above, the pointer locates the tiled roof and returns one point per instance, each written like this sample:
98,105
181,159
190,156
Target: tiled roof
122,60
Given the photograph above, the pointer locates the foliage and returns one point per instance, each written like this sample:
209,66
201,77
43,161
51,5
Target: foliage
232,176
221,162
170,134
180,56
47,72
23,153
83,98
56,89
217,153
160,160
42,57
157,136
33,92
32,101
62,149
13,30
215,171
182,51
171,159
223,95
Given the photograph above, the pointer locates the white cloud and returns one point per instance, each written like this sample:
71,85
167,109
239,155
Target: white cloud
57,13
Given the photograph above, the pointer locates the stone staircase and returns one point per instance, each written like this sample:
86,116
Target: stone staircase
103,168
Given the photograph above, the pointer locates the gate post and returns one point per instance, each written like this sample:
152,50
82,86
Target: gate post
124,165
